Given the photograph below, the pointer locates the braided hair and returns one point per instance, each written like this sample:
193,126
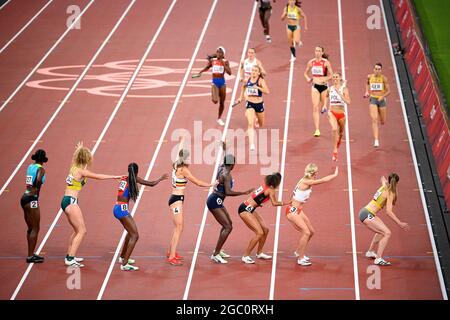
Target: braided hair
132,183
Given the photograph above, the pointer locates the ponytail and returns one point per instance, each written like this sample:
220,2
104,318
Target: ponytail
183,154
132,183
310,170
392,186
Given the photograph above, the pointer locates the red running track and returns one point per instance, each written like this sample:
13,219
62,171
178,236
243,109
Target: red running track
141,121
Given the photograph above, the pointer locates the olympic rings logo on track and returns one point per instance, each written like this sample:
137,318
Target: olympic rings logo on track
154,75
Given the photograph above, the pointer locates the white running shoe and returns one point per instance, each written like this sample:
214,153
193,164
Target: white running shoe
297,256
220,122
218,259
79,259
304,262
73,263
252,147
263,256
128,267
376,143
248,260
268,39
371,254
381,262
130,261
293,58
223,254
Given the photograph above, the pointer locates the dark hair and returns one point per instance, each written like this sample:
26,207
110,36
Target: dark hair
273,180
324,55
132,177
379,64
39,156
229,160
393,179
297,3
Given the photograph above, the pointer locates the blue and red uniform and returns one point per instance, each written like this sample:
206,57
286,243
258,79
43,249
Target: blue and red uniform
121,208
218,72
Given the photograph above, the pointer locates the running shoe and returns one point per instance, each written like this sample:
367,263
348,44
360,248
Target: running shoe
323,110
248,260
35,259
218,259
303,262
73,263
317,133
252,147
293,58
174,262
297,255
223,254
376,143
79,259
371,254
130,261
381,262
176,256
335,156
128,267
220,122
263,256
268,39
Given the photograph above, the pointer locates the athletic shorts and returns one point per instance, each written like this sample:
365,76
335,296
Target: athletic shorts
365,214
338,115
244,208
258,107
68,200
121,210
32,200
174,198
378,103
320,87
214,201
218,82
293,28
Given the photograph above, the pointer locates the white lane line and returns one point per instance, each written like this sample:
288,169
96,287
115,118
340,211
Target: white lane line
219,156
349,167
47,235
44,57
25,26
4,4
413,154
280,188
158,147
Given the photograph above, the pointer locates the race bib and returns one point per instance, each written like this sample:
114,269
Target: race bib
69,179
251,91
334,97
219,201
29,180
376,195
370,216
122,185
317,71
249,209
376,86
258,191
218,69
292,15
73,201
293,210
124,207
176,210
34,204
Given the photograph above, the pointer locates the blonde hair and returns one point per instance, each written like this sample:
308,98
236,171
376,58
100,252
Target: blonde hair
183,154
82,157
310,170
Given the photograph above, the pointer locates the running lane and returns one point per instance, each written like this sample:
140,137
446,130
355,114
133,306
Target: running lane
237,280
131,137
30,47
413,271
82,119
331,274
157,279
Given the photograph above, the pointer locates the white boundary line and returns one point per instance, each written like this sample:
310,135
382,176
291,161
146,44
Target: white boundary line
349,166
4,4
419,180
158,148
45,57
280,190
219,156
30,266
25,26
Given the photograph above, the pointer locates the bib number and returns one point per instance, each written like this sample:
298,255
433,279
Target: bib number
251,91
317,71
34,204
376,195
217,69
122,185
293,210
376,86
292,15
124,207
176,210
258,191
249,209
370,216
69,180
219,201
29,180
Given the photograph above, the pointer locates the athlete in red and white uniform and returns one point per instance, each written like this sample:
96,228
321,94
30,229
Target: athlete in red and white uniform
321,73
295,214
339,96
254,221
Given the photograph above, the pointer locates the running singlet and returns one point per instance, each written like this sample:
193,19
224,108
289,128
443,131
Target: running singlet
218,68
31,176
123,188
335,98
72,183
248,67
376,84
251,91
178,183
221,187
378,199
258,196
318,68
293,13
302,195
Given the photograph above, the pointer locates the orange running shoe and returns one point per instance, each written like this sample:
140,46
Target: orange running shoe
174,262
176,256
